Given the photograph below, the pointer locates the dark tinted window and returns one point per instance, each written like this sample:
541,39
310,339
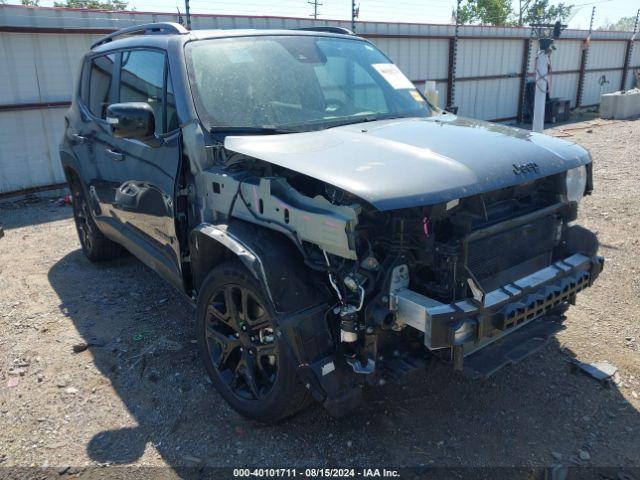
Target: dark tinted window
142,80
172,114
100,84
84,82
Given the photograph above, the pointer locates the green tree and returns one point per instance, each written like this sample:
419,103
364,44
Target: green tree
486,12
93,4
625,24
539,11
30,3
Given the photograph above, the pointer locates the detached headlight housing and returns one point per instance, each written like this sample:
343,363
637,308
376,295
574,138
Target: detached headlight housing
576,183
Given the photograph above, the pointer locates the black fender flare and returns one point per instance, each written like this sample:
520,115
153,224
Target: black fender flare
268,255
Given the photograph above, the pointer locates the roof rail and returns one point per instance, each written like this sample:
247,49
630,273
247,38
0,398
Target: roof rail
146,29
328,29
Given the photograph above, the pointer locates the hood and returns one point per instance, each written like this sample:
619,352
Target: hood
415,161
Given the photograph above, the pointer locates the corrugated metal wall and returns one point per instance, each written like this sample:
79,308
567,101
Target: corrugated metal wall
39,69
40,49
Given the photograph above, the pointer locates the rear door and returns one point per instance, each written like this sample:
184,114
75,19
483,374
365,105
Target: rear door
93,136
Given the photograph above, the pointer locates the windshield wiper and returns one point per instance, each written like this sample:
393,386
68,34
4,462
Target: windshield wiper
364,119
265,130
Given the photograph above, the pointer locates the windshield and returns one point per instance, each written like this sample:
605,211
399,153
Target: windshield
296,83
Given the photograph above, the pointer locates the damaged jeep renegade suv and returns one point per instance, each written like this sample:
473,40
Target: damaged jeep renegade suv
330,225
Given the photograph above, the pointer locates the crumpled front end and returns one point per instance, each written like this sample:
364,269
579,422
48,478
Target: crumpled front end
447,278
455,278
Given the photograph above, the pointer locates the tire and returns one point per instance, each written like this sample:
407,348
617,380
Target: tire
96,247
246,362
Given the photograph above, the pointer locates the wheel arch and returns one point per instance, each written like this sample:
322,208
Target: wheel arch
69,163
268,255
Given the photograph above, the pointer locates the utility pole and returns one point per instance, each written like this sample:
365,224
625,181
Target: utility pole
524,6
315,4
546,33
188,14
542,86
355,11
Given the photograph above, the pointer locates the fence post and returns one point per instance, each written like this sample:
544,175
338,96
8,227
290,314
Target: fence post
450,73
526,53
453,53
583,60
627,53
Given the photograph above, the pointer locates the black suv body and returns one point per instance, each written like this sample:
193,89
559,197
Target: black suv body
319,212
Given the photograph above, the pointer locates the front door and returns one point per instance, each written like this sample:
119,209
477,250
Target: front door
145,173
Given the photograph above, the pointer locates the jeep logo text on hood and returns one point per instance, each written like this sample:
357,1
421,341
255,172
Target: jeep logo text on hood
525,168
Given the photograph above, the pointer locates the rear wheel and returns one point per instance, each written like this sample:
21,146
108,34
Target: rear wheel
242,355
95,245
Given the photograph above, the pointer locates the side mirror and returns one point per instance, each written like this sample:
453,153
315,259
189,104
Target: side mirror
133,120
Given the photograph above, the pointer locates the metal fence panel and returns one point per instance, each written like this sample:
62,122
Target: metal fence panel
478,58
29,156
567,54
486,99
606,55
419,59
593,88
634,61
18,79
39,67
565,86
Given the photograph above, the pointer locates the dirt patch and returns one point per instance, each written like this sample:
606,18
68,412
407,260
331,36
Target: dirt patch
98,364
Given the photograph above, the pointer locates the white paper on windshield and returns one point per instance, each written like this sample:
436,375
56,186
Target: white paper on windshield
393,75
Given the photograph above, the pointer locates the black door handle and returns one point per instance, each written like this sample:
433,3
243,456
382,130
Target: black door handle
115,155
76,138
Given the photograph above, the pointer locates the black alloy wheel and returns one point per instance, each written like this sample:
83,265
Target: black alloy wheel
95,245
244,356
240,341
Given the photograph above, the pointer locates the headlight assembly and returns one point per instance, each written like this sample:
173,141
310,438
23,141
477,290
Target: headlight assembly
576,182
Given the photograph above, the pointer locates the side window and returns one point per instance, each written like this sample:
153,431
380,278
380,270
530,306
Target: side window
142,80
83,86
100,84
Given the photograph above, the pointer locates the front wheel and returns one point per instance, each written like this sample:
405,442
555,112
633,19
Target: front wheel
244,358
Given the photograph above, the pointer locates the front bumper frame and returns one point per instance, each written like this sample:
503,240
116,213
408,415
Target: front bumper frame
475,324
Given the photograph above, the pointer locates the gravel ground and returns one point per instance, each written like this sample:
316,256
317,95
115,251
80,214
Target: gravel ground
139,395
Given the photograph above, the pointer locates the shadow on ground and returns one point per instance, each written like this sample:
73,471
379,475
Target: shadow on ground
140,334
13,214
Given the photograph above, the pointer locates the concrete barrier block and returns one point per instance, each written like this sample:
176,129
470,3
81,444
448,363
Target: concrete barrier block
620,105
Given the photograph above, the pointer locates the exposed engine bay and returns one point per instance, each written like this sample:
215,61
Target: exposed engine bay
445,253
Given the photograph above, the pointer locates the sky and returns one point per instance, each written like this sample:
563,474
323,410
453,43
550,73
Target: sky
421,11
